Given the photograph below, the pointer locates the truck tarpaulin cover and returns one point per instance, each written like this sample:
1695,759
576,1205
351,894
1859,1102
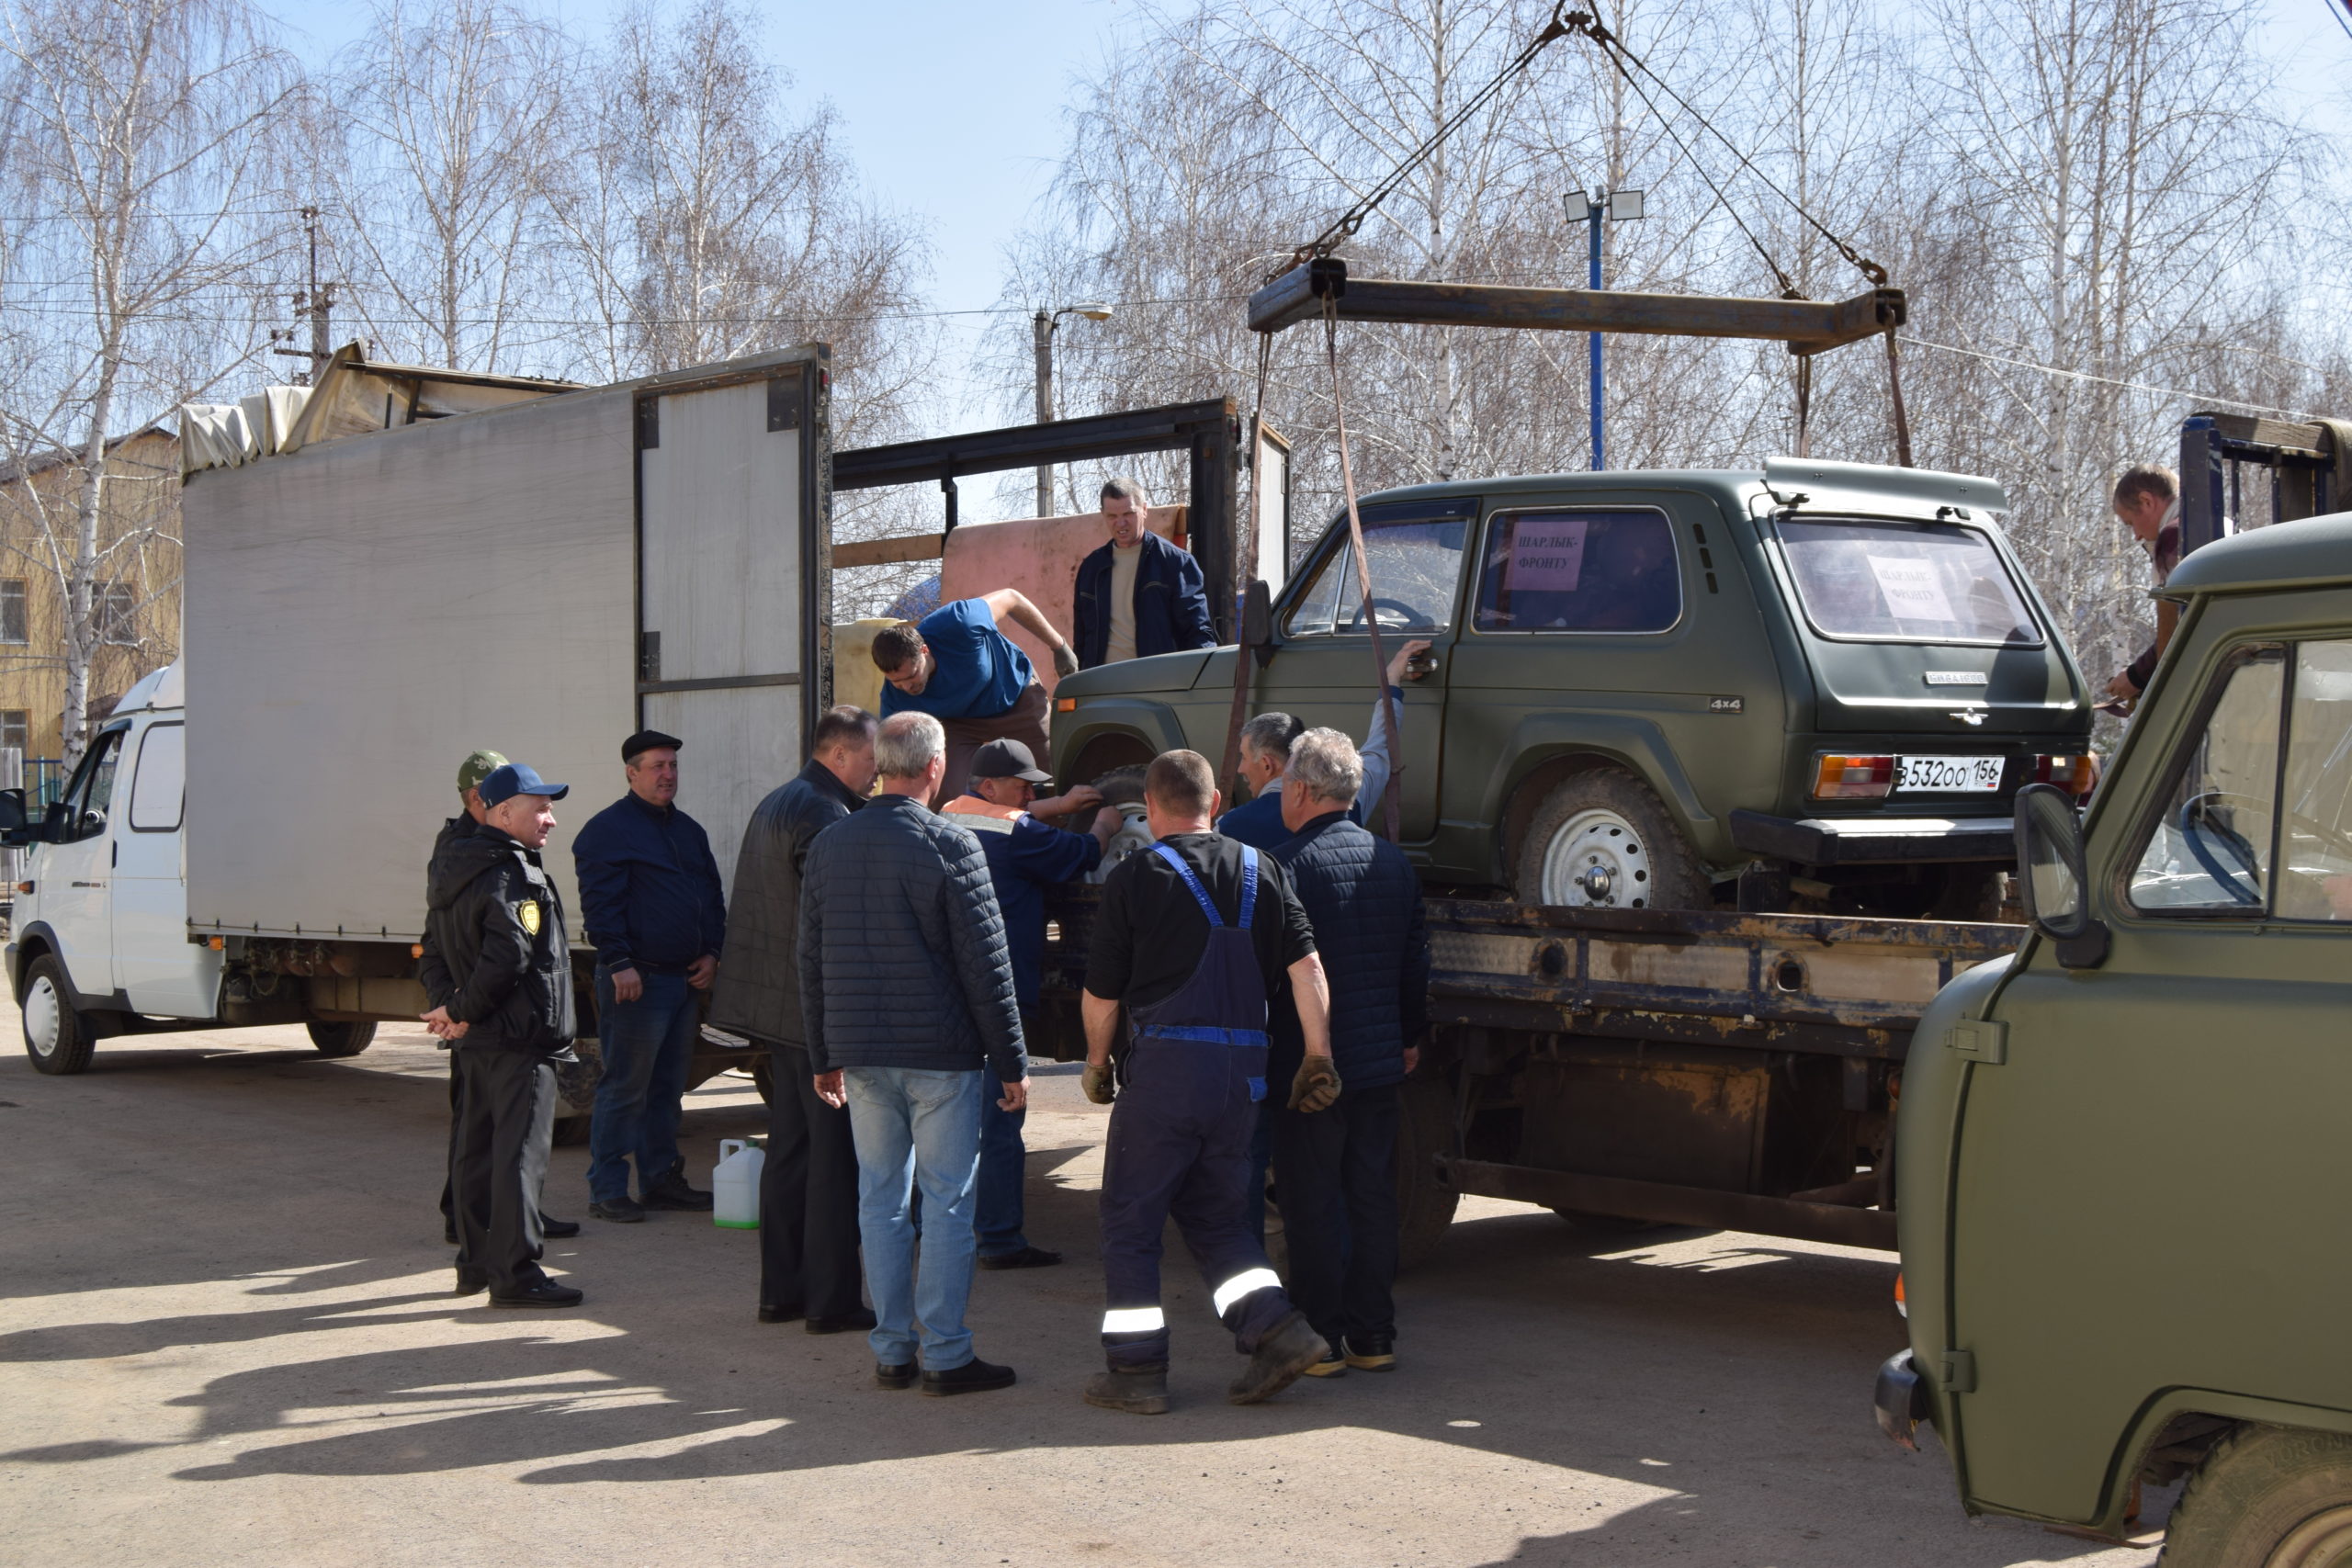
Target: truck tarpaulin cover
362,615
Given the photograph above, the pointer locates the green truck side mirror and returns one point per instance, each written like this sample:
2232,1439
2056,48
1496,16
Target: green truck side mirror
2051,882
1258,620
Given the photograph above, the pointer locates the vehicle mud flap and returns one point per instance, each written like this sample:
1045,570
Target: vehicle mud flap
1425,1205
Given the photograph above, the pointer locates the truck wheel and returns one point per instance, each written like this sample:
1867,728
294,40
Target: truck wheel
2266,1497
1602,841
341,1039
1424,1205
56,1037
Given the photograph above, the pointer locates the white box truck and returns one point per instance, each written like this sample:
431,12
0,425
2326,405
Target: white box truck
407,566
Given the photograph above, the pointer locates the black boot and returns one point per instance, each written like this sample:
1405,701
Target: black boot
1140,1390
1287,1350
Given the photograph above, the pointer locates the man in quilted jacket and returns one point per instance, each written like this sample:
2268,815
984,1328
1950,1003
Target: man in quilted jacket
1336,1170
908,1007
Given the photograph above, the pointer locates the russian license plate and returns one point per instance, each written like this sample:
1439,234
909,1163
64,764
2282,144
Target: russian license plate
1947,775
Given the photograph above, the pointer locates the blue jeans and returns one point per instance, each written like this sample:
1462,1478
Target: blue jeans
1004,1161
648,1046
926,1122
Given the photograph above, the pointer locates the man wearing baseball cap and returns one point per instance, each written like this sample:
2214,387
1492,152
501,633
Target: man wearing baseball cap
477,766
499,953
650,901
1024,855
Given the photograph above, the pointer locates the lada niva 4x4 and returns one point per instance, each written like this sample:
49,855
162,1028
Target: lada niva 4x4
1816,686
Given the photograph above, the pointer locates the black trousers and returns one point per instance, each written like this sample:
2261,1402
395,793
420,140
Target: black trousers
1336,1170
808,1258
448,1204
498,1161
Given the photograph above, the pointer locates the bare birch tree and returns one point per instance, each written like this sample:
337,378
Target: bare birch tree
131,130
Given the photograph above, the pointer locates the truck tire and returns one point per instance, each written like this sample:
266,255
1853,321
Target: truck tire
1424,1205
2266,1497
341,1039
57,1038
1601,840
569,1130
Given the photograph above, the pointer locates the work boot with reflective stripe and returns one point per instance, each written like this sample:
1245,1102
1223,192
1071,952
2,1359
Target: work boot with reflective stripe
1139,1391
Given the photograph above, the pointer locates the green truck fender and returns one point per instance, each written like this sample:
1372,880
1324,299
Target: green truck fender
1545,747
1152,725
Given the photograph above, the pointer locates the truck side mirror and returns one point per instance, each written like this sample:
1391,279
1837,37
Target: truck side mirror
2051,882
12,817
1258,620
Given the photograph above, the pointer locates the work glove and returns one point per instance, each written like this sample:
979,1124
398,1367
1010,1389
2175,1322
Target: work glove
1064,660
1317,1087
1096,1082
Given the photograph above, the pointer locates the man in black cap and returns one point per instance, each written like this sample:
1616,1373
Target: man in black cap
649,898
498,936
478,766
1025,856
809,1265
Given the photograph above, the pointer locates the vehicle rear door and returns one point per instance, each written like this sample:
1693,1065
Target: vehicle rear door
2151,1161
733,601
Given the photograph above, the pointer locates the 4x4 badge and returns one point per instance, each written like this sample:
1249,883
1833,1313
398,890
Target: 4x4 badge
1727,705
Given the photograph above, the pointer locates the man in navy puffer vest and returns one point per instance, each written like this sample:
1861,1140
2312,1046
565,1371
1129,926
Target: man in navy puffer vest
1335,1171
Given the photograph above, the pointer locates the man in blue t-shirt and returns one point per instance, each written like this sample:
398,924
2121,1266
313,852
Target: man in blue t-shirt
956,665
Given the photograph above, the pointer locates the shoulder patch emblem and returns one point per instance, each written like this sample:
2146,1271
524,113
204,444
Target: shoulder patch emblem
528,911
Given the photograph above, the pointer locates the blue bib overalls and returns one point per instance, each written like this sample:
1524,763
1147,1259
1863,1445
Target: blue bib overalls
1180,1143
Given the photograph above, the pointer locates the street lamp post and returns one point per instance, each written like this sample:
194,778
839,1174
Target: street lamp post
1617,207
1041,328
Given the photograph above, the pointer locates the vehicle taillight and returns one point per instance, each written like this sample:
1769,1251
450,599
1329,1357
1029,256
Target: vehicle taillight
2073,775
1840,777
1900,1305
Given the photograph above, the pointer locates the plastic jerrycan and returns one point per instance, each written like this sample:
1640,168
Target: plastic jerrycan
735,1185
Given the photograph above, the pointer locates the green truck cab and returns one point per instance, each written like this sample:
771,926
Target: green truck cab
1829,675
2122,1151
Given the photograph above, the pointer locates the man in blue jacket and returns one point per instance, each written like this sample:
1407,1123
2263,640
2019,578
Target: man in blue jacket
649,898
1336,1170
1025,856
1265,752
1139,594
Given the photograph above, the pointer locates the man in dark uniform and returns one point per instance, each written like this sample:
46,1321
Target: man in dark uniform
809,1266
471,773
1193,940
650,898
505,965
1025,857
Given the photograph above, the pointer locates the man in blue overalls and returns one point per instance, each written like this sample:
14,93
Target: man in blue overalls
1193,939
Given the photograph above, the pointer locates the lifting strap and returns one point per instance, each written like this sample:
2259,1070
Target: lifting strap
1805,405
1363,582
1894,386
1229,773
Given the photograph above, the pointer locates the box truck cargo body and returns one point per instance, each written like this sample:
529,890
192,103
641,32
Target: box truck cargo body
540,578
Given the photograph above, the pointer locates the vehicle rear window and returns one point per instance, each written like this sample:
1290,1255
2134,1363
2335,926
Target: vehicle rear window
1905,581
1578,571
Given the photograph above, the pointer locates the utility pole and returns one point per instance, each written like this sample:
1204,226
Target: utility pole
1041,328
316,302
1616,207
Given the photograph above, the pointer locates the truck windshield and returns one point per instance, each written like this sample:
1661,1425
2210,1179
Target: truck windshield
1415,551
1906,583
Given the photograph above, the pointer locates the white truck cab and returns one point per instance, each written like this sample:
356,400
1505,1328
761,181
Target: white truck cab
99,941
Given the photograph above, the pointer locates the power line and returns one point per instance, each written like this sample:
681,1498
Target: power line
2103,381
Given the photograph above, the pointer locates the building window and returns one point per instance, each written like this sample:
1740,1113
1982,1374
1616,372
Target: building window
16,728
115,606
13,626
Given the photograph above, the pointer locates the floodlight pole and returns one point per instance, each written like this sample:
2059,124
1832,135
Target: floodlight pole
1594,206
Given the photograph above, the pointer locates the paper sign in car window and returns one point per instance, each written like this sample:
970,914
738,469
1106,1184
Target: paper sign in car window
1914,590
1547,554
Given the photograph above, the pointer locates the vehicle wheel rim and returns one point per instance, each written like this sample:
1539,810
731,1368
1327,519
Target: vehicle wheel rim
2323,1540
1597,860
43,1017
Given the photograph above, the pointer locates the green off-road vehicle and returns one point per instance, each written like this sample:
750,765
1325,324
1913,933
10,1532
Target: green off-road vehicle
2122,1151
1829,677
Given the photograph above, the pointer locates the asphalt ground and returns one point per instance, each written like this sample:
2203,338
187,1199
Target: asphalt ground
226,1338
